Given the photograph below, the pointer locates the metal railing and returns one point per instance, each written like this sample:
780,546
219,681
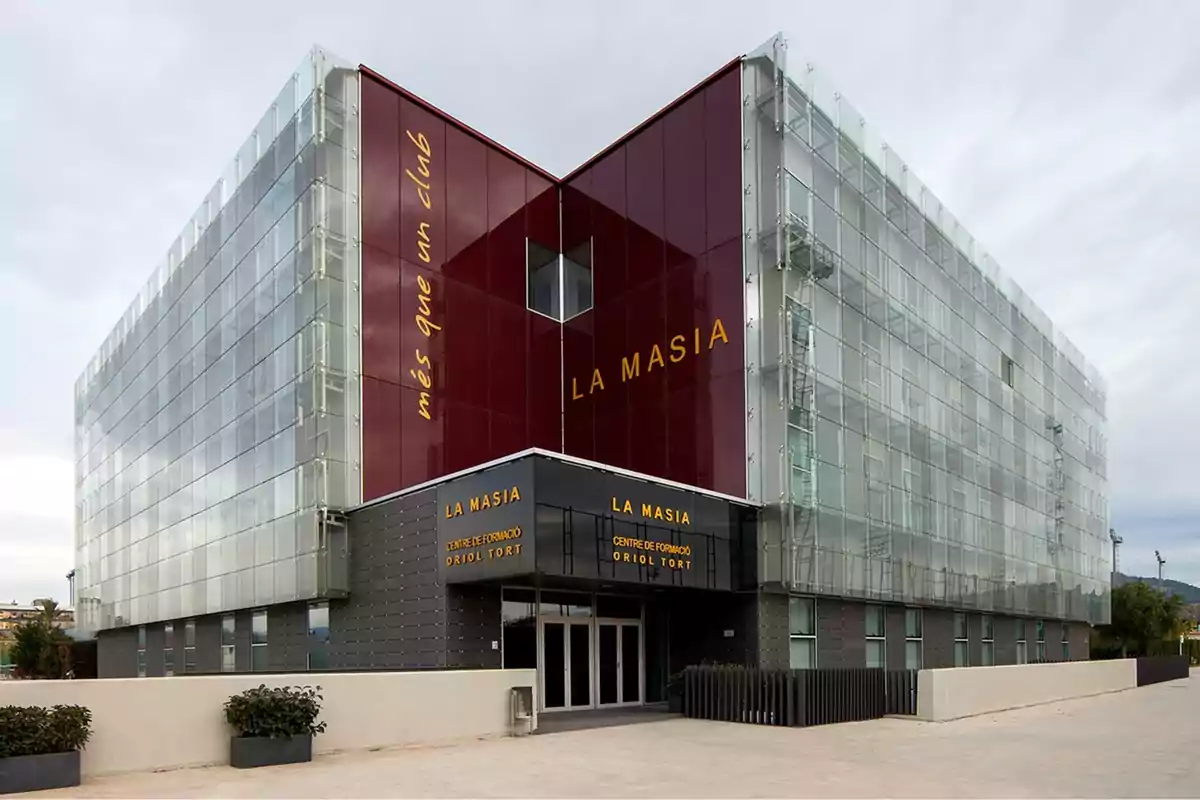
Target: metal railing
796,697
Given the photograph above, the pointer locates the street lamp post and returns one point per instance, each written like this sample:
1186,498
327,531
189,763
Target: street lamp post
1116,546
1161,561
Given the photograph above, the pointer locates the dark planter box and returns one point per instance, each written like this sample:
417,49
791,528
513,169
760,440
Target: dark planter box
30,773
675,702
247,752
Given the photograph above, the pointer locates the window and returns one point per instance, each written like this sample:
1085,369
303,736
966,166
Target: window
1066,643
141,651
987,634
318,636
1022,656
189,646
876,640
169,649
559,285
258,641
912,638
962,656
802,623
1008,369
1041,640
227,643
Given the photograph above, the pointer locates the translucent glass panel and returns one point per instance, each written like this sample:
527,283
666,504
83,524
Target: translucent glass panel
214,421
958,447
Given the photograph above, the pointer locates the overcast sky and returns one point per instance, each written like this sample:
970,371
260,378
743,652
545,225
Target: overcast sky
1063,135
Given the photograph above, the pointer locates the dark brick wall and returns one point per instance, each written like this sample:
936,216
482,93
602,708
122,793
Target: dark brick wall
1005,631
472,626
154,650
287,637
698,623
208,644
773,628
116,653
841,634
937,633
894,631
395,617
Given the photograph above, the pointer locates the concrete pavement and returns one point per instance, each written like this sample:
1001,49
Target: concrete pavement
1137,743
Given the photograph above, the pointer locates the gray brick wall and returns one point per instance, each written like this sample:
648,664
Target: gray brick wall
841,634
472,625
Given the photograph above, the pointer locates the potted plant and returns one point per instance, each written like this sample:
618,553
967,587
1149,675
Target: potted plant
274,726
39,747
675,693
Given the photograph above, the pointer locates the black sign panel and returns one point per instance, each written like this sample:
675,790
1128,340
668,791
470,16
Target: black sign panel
606,527
485,524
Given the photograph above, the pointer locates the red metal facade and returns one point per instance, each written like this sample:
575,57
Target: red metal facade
457,371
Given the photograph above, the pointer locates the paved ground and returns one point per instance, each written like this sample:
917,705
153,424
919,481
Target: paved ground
1143,742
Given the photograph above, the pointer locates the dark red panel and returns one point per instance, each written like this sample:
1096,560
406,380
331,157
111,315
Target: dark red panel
644,198
381,440
541,211
466,209
465,368
684,172
467,437
727,432
545,382
423,185
507,363
380,315
380,167
723,157
422,451
506,229
722,292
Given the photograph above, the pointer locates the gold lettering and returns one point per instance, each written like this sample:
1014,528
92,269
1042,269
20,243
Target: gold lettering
614,505
426,327
655,356
684,519
718,332
575,395
647,510
423,405
423,242
697,334
516,495
596,381
420,375
628,508
420,141
422,360
423,165
678,351
474,503
421,185
631,369
424,285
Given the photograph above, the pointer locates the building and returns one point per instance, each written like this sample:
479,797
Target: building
737,389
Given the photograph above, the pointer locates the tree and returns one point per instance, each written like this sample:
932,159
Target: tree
1142,619
40,647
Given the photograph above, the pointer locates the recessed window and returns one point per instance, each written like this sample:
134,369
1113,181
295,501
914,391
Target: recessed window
169,649
1022,654
876,638
912,638
318,636
258,641
559,285
1066,643
802,626
1041,640
962,656
987,635
189,646
1008,369
228,643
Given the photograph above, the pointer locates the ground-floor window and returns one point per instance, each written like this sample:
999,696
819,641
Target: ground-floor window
1066,642
169,649
141,651
802,629
962,657
189,646
1022,655
913,655
258,641
987,633
518,614
876,638
318,636
1041,639
228,663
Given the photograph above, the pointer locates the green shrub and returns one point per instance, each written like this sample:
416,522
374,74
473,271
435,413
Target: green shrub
36,731
275,713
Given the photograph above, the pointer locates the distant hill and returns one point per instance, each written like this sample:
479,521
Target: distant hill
1189,593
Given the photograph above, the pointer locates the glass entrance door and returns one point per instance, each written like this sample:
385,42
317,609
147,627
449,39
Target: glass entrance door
619,662
566,656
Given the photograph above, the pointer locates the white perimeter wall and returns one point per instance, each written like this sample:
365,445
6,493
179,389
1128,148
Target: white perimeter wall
163,723
944,694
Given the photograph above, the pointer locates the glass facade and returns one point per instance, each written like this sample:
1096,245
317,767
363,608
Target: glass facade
212,431
918,429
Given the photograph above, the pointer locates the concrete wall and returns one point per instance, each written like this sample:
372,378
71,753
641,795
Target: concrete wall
945,694
166,723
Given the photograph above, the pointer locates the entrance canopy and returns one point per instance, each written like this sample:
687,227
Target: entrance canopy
539,515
